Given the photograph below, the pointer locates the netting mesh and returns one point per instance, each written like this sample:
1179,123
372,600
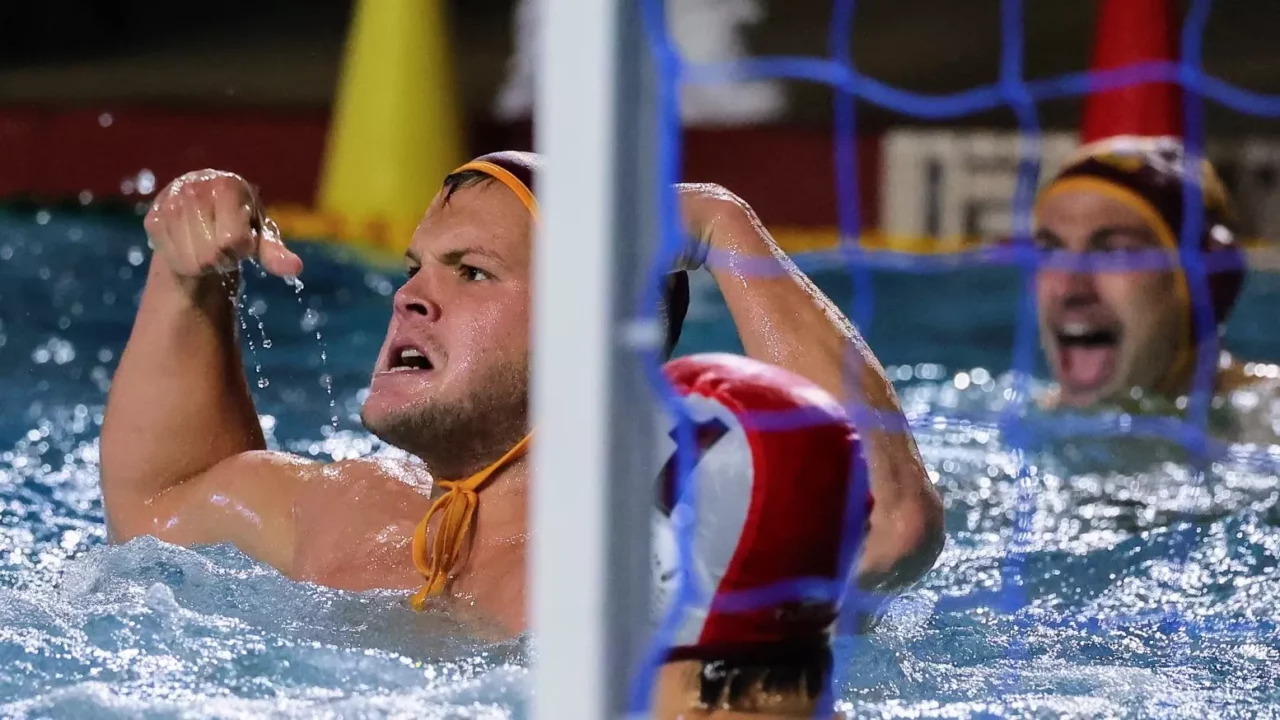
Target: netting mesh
1021,95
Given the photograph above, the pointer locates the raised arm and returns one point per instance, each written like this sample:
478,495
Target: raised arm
179,405
784,319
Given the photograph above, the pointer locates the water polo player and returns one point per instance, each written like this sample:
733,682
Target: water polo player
183,456
1114,333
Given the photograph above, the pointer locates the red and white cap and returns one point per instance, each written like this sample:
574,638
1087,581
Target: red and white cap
769,502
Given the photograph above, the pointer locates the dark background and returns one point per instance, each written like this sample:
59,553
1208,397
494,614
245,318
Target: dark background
285,53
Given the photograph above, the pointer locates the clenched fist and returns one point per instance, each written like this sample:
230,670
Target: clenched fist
208,221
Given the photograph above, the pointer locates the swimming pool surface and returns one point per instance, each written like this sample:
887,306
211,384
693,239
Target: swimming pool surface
1136,591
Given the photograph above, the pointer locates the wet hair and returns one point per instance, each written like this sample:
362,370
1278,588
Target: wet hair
463,179
738,681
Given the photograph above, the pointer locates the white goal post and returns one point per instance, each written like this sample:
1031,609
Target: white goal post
593,469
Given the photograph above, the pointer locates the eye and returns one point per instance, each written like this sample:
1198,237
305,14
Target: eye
412,269
1127,243
1123,242
1046,241
473,274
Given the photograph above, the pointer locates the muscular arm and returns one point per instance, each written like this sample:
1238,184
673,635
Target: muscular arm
784,319
181,435
179,403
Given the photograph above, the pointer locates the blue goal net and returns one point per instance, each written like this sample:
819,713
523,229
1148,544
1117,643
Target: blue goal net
1021,95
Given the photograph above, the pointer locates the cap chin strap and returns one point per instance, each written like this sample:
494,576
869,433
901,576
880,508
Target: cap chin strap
458,509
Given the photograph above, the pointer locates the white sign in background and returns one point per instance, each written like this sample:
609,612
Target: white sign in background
704,31
953,184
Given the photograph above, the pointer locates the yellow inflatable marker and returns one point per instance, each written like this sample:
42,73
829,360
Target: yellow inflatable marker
394,132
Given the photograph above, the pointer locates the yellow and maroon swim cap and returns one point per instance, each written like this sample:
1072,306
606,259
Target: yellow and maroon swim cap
518,171
1147,175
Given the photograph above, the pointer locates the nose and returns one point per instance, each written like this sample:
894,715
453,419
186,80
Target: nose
415,299
1071,288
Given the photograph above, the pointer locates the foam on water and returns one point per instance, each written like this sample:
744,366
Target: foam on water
150,628
1139,591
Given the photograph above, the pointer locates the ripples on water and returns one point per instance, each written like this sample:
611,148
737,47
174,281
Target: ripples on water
1136,590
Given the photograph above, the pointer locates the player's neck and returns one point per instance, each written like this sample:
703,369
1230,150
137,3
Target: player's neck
504,503
493,570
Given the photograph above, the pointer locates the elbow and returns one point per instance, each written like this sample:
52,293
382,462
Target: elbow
124,520
904,541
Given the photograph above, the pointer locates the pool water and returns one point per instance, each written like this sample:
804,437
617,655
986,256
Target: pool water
1135,589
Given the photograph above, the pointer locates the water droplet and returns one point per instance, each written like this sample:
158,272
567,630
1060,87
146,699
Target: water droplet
105,120
266,343
146,181
263,382
86,197
135,256
42,217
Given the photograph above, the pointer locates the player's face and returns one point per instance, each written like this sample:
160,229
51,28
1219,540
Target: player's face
1104,332
454,366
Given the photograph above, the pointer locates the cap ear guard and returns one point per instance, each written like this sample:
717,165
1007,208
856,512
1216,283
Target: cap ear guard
672,308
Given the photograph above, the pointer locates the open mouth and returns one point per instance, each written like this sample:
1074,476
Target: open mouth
407,359
1087,354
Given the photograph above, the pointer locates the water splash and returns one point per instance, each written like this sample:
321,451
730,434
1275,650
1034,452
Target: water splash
148,629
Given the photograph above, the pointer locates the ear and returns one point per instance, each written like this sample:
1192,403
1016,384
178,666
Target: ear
1227,271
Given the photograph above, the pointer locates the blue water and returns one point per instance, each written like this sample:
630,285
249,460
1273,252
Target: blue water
1137,590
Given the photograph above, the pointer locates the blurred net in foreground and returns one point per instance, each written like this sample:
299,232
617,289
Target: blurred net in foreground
1011,90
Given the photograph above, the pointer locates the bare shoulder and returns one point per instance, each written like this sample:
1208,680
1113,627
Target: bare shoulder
356,492
407,472
253,500
354,522
246,500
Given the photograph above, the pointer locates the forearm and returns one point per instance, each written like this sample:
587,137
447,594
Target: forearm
784,319
179,403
